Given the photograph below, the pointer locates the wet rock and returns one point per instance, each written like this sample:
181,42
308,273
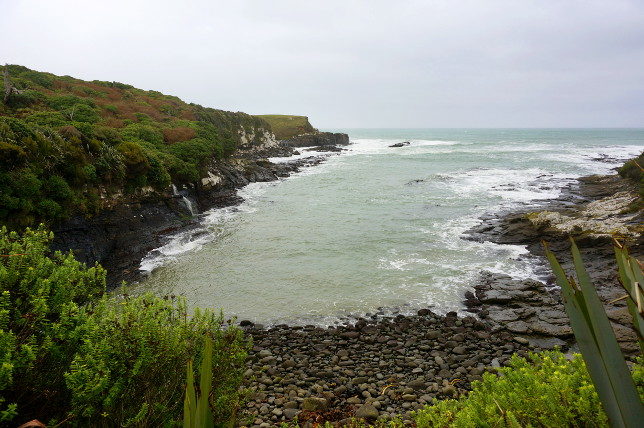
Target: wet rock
367,411
403,144
314,404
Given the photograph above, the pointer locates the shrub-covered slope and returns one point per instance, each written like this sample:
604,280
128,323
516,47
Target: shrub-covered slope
288,126
66,144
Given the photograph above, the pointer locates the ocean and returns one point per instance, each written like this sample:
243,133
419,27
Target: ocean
378,227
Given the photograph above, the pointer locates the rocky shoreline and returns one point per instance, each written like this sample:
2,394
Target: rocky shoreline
593,213
379,367
119,237
388,366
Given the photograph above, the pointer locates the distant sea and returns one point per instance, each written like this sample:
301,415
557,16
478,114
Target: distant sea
377,226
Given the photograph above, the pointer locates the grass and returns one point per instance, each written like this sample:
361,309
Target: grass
288,126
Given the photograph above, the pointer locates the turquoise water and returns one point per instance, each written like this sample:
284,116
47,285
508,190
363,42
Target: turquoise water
378,226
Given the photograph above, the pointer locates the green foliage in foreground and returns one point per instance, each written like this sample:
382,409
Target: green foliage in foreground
40,293
196,409
634,170
68,354
287,126
596,338
130,370
545,391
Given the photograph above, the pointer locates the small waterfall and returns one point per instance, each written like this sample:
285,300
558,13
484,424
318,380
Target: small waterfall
188,205
186,202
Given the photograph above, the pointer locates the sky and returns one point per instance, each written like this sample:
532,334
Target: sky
352,64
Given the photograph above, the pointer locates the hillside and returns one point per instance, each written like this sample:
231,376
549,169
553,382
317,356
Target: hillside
288,126
67,146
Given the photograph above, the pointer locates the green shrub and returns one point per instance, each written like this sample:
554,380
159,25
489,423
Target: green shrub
81,113
632,169
110,164
48,118
64,102
546,390
11,154
130,370
134,158
42,79
26,99
141,132
39,295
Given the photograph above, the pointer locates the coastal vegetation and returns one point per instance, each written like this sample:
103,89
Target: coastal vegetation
66,144
596,337
288,126
634,171
71,354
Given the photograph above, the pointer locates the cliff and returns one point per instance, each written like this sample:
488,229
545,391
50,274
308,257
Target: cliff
71,147
287,126
297,131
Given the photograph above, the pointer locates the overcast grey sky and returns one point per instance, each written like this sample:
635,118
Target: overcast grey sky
487,63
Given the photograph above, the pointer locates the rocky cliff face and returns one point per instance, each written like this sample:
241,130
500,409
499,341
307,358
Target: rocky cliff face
129,226
318,139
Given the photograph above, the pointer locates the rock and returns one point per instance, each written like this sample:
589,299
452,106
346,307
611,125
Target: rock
367,411
546,342
448,390
417,384
459,350
318,139
350,334
289,364
314,404
360,380
290,413
403,144
264,353
291,405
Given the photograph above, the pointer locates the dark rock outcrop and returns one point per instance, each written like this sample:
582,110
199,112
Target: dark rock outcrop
119,237
318,139
591,213
403,144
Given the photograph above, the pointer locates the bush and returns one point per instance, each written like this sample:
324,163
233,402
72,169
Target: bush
64,102
39,293
11,154
632,169
141,132
48,118
106,362
174,135
130,370
110,165
41,79
546,390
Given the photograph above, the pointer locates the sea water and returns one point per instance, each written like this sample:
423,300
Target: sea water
378,226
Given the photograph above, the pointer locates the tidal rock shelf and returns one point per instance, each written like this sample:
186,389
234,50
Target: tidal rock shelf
593,212
380,367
